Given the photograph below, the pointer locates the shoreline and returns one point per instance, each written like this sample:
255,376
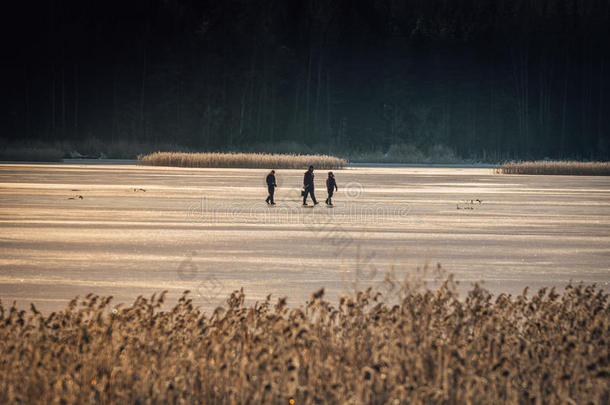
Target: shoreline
350,165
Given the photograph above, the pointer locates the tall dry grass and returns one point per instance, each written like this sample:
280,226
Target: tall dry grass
422,347
243,160
557,167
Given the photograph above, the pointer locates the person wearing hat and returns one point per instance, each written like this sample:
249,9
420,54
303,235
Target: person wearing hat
331,187
308,186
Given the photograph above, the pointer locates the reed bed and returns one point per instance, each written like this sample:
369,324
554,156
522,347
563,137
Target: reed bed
420,347
242,160
558,167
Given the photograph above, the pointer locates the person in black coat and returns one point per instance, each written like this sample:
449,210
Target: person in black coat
308,186
331,187
271,185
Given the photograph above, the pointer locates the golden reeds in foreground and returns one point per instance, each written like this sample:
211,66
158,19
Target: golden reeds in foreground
550,167
243,160
422,347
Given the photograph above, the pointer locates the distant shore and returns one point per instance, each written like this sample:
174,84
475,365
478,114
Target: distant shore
524,168
135,162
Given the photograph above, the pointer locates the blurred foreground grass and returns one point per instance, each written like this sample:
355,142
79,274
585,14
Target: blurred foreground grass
393,345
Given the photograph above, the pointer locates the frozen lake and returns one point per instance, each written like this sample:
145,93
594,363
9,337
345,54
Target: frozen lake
139,230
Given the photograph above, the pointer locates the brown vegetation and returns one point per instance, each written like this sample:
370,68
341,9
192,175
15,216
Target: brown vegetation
557,167
243,160
419,346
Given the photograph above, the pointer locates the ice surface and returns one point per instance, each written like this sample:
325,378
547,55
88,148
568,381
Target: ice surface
139,230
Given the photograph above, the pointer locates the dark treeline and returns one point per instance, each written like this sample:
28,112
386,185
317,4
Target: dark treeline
490,79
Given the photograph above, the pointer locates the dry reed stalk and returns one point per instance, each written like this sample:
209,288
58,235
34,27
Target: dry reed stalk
241,160
423,346
557,168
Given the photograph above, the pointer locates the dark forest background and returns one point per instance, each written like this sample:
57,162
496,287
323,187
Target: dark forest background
487,79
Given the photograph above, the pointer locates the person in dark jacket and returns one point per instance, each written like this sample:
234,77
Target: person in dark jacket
308,186
271,185
331,187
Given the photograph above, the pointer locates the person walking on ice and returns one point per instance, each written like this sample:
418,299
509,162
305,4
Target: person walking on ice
331,187
271,185
308,185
